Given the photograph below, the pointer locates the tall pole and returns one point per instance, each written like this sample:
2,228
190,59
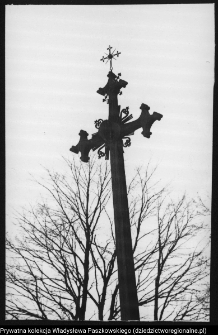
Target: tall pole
110,135
126,272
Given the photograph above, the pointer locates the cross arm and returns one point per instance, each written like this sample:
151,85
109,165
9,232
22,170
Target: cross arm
84,145
111,131
145,121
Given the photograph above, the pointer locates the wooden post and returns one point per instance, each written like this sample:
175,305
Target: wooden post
126,272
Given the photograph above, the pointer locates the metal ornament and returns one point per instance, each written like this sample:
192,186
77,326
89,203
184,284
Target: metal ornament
110,56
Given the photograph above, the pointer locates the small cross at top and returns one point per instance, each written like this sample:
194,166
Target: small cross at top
110,56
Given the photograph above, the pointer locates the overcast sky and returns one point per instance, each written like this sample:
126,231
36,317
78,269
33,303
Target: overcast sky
53,71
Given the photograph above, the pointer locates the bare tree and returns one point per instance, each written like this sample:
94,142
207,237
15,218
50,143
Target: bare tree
175,269
52,269
64,266
172,266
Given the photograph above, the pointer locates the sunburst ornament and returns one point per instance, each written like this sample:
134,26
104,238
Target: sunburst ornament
110,56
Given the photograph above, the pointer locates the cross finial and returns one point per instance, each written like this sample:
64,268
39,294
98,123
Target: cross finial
110,56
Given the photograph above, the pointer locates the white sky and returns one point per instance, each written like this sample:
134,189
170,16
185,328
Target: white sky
53,71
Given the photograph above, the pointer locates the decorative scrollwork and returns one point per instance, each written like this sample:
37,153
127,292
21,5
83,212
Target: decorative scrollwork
101,153
127,143
127,117
124,111
98,123
105,98
118,76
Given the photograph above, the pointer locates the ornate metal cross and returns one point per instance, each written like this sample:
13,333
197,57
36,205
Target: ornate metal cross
110,56
113,134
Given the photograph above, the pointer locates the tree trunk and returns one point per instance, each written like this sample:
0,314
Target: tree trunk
86,280
156,298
